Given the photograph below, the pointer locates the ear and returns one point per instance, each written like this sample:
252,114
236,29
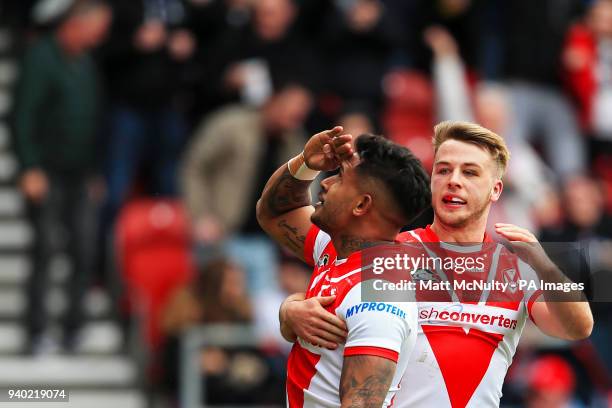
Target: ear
496,190
362,205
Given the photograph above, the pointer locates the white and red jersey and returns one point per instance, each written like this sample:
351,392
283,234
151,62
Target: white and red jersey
383,329
463,348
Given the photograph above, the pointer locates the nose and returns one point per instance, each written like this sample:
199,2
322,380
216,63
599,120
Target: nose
455,178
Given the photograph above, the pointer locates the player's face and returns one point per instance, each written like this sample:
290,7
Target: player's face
333,211
464,183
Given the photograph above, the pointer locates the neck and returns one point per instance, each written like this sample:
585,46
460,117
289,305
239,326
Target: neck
472,233
346,243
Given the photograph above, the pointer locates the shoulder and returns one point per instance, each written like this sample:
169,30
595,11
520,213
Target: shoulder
233,116
414,235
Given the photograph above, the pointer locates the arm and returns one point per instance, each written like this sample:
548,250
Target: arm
309,320
570,318
449,76
377,340
31,96
284,208
564,320
365,380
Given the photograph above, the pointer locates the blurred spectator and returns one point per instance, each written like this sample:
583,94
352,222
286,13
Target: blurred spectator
487,103
461,18
357,118
217,295
293,277
233,153
409,112
55,128
144,60
551,383
541,113
247,64
587,63
360,37
585,219
210,22
587,223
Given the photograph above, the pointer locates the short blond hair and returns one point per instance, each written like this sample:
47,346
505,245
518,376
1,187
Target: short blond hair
474,134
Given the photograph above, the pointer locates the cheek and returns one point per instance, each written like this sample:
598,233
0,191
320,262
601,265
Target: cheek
436,185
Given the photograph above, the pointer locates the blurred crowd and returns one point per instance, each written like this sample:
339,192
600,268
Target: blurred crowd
188,106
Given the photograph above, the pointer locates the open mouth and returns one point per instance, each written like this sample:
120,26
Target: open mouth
453,200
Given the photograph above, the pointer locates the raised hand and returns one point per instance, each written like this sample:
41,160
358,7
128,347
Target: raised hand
324,151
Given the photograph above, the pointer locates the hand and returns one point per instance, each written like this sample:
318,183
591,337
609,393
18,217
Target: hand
440,41
324,151
181,45
312,323
34,185
525,245
235,77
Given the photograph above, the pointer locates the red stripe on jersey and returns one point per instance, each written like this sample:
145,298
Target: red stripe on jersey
309,244
463,358
301,367
372,351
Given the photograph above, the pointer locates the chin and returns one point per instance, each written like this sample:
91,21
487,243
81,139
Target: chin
453,220
316,220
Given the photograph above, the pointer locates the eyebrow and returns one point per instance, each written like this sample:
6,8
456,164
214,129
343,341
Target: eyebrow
469,164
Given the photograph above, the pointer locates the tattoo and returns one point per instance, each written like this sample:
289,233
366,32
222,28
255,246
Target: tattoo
365,381
292,239
350,244
287,194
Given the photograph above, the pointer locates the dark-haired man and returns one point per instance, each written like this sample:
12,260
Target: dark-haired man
378,189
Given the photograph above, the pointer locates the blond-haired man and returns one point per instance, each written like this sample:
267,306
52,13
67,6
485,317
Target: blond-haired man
464,348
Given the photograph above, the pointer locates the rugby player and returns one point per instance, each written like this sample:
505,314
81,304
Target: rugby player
377,190
463,349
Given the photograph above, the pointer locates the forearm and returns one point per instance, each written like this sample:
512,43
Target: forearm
451,89
283,193
285,329
365,381
569,311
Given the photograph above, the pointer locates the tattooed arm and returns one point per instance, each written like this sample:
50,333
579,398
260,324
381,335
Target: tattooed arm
365,380
284,208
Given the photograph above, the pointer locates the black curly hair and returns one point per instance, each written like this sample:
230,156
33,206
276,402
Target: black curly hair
399,170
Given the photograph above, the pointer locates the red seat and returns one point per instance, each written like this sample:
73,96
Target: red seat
408,117
154,257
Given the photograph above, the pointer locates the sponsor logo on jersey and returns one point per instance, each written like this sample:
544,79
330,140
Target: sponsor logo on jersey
511,278
436,316
375,307
324,260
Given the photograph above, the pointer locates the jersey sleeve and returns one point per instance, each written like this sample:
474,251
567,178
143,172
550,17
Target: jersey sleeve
376,328
314,245
531,294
